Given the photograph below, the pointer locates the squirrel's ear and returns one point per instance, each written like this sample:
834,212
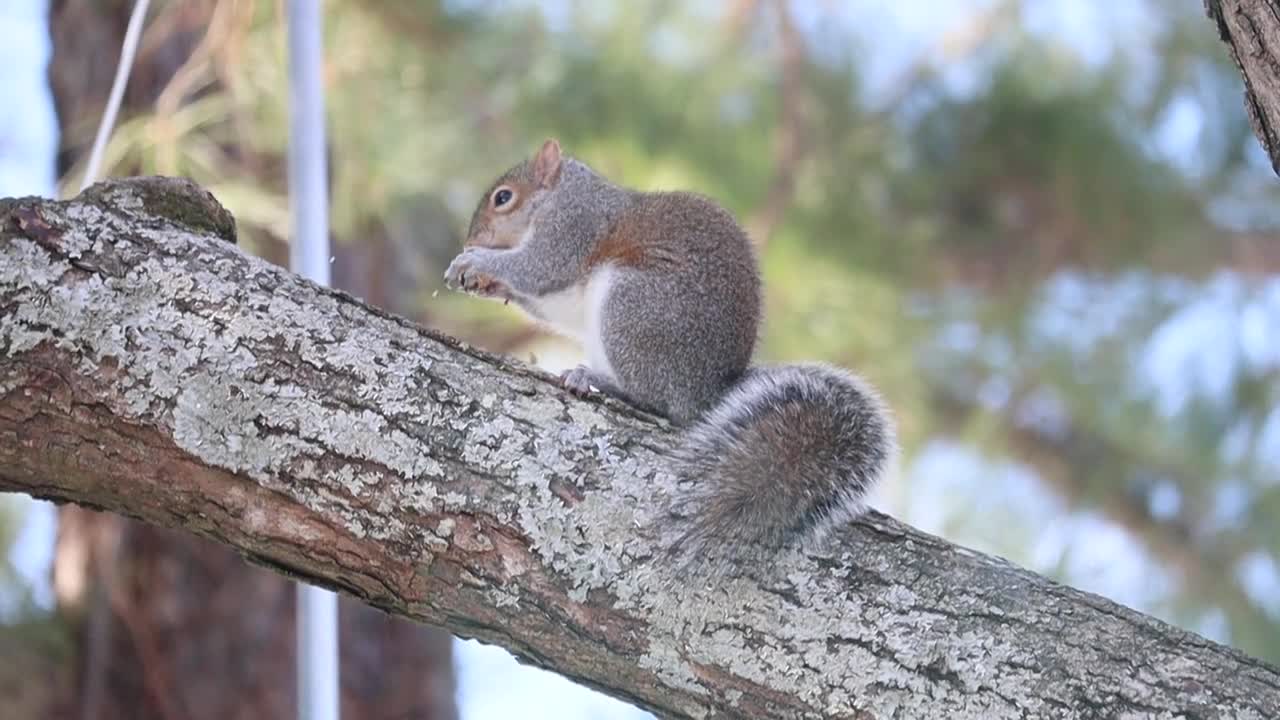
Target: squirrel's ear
546,166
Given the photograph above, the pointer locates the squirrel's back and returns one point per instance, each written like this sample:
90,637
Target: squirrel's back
683,310
681,232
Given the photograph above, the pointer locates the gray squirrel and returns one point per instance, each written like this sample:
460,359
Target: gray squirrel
663,292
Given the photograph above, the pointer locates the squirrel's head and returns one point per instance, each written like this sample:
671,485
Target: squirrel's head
506,211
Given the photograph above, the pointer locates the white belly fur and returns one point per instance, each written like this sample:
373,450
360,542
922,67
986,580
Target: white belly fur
578,313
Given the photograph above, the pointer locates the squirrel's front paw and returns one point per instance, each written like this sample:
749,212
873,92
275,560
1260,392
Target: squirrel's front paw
464,275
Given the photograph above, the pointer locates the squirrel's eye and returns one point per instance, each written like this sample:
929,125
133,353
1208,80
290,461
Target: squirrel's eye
502,197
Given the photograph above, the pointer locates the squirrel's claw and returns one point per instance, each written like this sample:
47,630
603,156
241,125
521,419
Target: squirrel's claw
456,276
462,275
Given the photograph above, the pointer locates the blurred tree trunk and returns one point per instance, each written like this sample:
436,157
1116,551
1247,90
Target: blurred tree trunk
166,625
172,626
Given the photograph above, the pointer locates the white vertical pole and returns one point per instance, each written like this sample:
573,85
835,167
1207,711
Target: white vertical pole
309,257
308,171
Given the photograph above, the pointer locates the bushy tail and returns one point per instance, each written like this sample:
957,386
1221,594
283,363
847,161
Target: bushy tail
788,453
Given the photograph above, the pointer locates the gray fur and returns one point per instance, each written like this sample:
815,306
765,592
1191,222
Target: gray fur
679,336
769,455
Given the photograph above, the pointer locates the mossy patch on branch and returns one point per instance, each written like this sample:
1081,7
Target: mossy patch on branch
177,199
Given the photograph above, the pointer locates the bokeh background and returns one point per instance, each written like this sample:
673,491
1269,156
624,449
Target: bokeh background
1042,227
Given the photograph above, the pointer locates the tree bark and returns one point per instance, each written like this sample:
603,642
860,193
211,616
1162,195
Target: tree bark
149,368
1251,29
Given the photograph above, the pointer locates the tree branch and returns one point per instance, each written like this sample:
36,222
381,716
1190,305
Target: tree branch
150,368
1251,29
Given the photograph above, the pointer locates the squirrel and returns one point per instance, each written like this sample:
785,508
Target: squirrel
663,292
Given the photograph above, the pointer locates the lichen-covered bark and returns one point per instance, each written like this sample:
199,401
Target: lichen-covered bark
1251,29
150,368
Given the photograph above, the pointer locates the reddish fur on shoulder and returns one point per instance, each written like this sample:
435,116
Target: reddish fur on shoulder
634,241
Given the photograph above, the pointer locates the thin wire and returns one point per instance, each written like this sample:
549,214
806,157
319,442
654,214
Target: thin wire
132,35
